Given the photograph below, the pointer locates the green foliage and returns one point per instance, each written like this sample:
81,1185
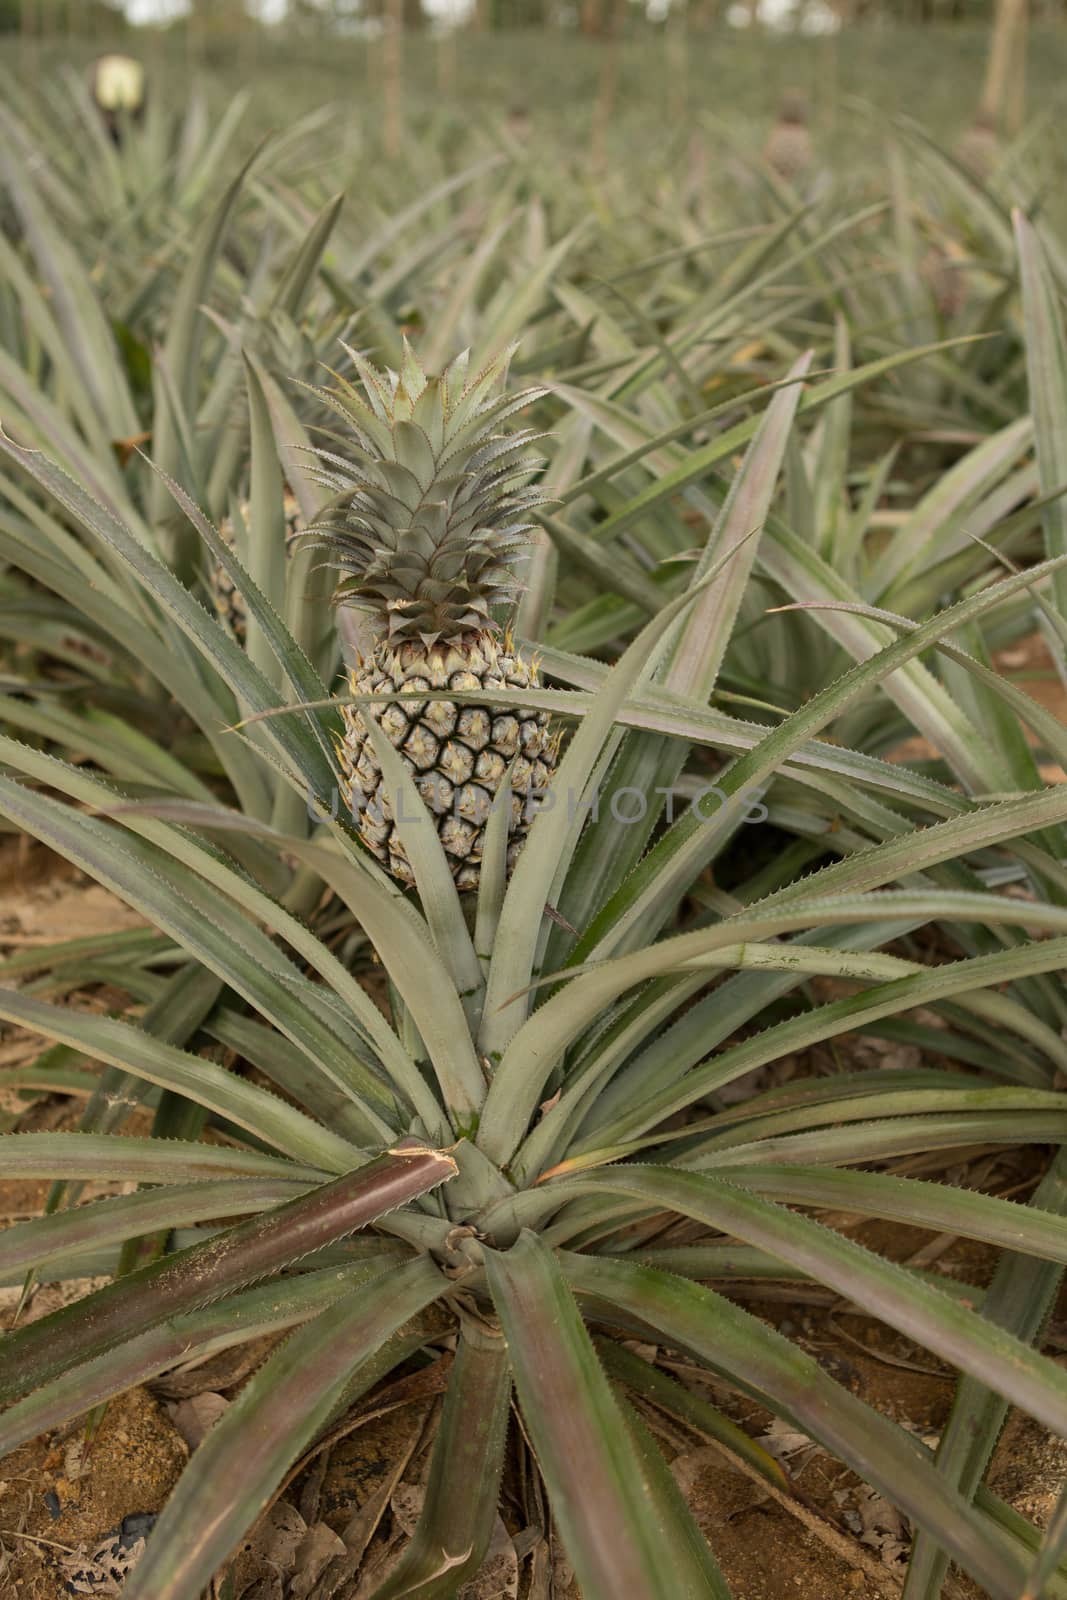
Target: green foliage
800,498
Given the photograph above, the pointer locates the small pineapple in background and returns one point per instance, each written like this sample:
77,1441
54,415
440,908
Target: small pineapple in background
519,124
943,269
428,523
228,599
789,149
979,148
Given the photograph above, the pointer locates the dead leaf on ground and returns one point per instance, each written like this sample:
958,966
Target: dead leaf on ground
783,1442
879,1525
194,1418
498,1576
406,1505
319,1546
217,1372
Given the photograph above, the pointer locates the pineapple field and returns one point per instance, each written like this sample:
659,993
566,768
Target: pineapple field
533,812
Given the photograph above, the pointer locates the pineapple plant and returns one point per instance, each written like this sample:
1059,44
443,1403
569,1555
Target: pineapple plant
227,598
789,149
576,1162
532,1190
979,148
427,525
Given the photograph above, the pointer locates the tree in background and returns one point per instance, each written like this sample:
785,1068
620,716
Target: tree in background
1004,92
344,15
44,18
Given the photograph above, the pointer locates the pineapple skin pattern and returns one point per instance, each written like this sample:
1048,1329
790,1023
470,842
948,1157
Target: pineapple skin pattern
429,496
227,599
459,754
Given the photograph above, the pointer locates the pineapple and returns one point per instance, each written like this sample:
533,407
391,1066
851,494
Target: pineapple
789,149
979,148
228,599
427,526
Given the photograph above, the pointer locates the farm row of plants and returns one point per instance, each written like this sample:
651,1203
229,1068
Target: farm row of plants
670,505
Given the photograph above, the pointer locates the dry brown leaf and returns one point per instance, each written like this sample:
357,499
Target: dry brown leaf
879,1525
268,1587
194,1418
319,1546
406,1505
498,1577
277,1535
782,1441
75,1465
216,1372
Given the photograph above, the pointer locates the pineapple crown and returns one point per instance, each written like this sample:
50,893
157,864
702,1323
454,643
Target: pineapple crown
430,498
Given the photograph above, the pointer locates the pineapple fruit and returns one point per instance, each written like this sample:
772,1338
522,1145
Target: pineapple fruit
427,524
979,148
228,600
789,148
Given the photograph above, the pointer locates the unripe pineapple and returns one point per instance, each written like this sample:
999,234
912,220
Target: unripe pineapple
789,149
427,524
945,275
228,599
979,148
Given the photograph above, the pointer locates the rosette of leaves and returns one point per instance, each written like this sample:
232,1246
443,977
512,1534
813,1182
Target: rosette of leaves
530,1140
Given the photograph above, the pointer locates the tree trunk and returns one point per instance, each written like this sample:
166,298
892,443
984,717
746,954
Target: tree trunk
446,61
1003,94
676,52
609,79
393,73
1015,102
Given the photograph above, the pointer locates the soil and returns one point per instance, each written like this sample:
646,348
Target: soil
1031,668
350,1508
60,1497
